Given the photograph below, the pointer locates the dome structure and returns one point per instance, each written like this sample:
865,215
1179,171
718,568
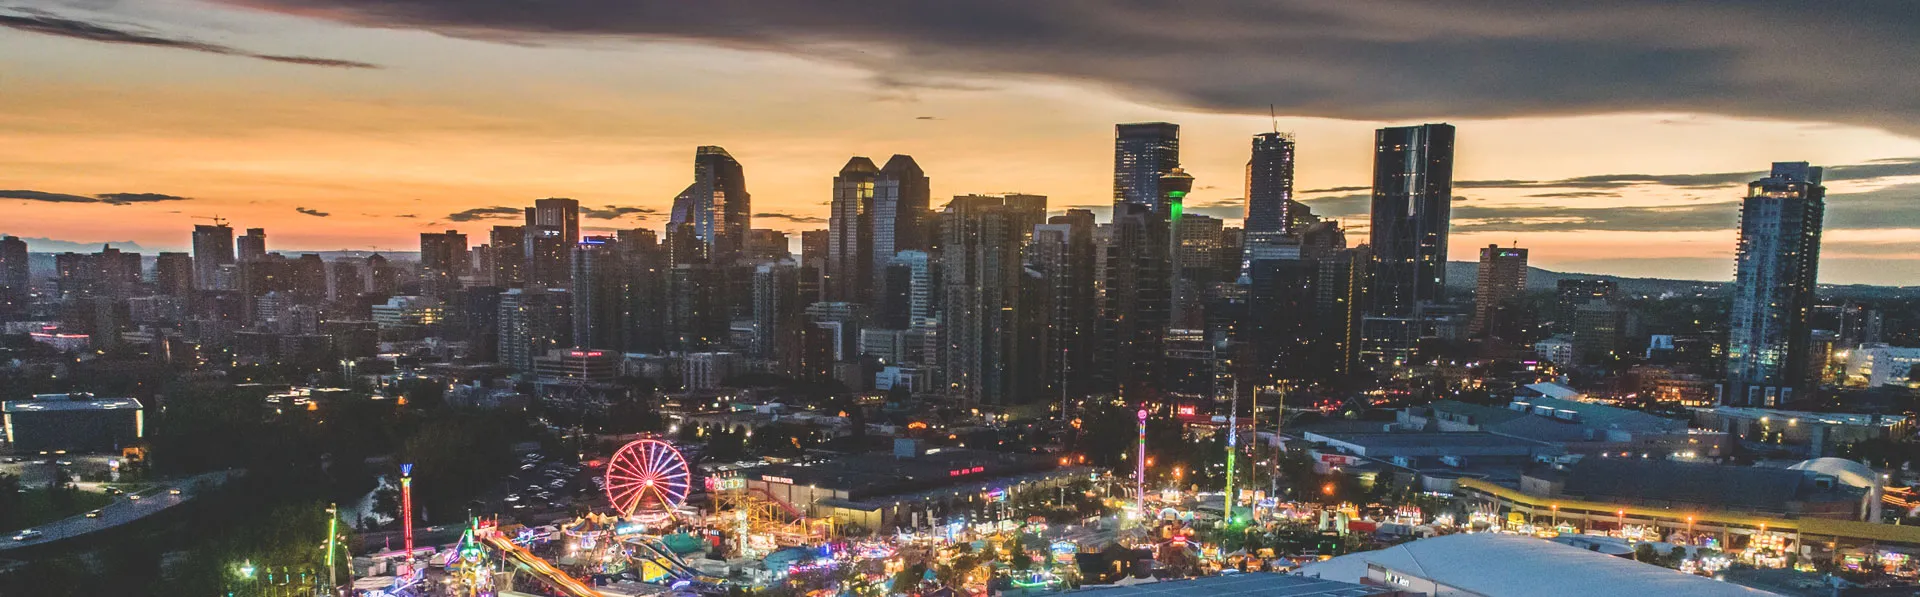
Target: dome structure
1847,471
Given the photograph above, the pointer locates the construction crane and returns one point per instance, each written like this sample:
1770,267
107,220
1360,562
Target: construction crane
217,220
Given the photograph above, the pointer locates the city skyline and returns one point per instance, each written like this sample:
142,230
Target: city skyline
362,130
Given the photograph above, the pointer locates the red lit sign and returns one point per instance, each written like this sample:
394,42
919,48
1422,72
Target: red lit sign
966,471
1186,411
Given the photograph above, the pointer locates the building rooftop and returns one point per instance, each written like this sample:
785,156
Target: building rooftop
1258,584
1666,482
1430,443
1601,416
878,474
1500,565
1794,417
68,402
1478,414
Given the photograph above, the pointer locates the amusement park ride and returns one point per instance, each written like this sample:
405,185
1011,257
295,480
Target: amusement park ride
647,482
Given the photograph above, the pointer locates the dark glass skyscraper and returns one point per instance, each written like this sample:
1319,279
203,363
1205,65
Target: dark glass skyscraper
850,222
1412,195
14,276
716,204
1142,153
901,194
1777,266
1270,185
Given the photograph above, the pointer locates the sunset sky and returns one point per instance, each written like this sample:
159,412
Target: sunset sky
1611,139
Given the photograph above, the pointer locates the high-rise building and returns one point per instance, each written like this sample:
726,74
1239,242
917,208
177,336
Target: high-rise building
252,245
1574,292
849,272
558,212
1412,207
307,278
901,197
776,310
1136,294
1062,254
549,256
15,278
766,245
1142,153
443,259
173,274
982,308
509,246
532,322
716,205
599,295
1197,245
345,281
1270,185
1776,269
212,249
1502,276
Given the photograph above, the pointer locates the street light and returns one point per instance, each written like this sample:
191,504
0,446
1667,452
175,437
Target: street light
246,569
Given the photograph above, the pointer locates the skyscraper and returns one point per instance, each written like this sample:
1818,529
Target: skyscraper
1136,296
212,249
1412,195
173,274
1270,185
716,205
1142,153
901,193
558,212
982,309
15,278
443,259
1574,292
1502,276
533,321
509,246
850,249
252,245
1776,268
1062,253
599,295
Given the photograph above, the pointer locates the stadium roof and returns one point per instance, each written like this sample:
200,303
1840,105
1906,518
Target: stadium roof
1500,565
1259,584
1643,481
29,406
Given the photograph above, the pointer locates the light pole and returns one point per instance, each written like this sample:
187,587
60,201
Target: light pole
333,535
1140,466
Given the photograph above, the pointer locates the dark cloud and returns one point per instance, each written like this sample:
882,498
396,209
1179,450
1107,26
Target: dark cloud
1341,206
1398,60
312,212
1575,194
1886,208
47,197
126,198
791,218
1337,190
499,212
1876,169
107,198
36,21
615,212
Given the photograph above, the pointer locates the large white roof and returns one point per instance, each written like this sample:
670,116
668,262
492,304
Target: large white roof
1499,565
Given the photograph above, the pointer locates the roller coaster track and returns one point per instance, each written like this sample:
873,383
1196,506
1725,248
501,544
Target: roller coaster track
555,578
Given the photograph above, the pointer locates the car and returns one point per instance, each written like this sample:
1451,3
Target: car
26,535
527,466
9,460
173,491
115,491
63,462
42,461
513,498
135,497
93,514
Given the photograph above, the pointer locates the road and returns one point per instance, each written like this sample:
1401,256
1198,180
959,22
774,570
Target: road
121,511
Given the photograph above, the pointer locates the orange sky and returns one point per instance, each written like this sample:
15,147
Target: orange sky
450,124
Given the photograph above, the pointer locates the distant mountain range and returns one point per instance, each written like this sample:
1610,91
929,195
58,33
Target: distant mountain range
1461,276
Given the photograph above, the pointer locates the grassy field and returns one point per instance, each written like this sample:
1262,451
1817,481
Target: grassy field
37,508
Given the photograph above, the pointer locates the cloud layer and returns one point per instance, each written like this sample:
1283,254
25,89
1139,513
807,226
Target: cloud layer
37,21
107,198
1385,60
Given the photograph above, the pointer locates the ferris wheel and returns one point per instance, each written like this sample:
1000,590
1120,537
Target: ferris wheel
647,476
